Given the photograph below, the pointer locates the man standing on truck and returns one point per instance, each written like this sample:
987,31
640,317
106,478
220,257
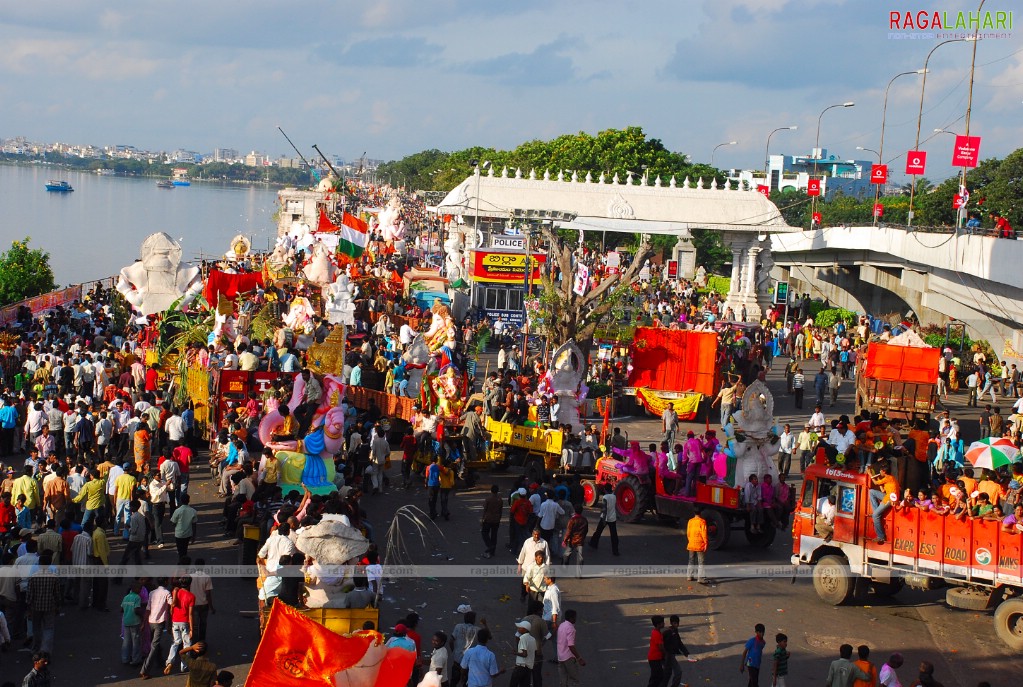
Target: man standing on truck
881,501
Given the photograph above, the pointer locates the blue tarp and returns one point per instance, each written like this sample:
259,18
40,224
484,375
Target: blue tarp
425,299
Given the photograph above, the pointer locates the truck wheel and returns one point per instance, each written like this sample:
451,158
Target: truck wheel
1009,623
832,580
633,498
589,493
967,599
763,538
534,470
718,529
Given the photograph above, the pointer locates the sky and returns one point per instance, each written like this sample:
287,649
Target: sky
392,77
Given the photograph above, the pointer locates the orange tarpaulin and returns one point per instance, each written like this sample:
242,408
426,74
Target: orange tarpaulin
902,363
674,360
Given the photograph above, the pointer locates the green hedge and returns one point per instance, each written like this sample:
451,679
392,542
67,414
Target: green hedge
830,317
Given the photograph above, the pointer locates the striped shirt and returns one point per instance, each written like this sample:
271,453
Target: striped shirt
81,549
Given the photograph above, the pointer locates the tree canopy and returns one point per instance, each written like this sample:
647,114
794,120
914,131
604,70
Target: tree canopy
24,272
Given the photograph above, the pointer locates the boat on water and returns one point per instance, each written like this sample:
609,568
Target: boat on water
165,184
181,182
106,172
58,186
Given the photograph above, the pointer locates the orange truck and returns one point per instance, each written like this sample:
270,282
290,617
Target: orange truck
977,559
899,382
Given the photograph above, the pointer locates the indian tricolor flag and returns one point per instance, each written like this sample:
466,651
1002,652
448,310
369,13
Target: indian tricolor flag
351,233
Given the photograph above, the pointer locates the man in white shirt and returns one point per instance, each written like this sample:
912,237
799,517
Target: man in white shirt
817,420
405,335
531,547
786,447
887,677
277,545
534,576
825,524
175,428
548,513
525,654
842,438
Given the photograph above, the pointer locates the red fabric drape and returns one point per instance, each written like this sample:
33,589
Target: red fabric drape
229,284
674,360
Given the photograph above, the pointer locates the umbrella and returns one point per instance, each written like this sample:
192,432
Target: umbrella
992,454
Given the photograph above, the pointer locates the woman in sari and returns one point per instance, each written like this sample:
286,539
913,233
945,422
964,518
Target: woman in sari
143,448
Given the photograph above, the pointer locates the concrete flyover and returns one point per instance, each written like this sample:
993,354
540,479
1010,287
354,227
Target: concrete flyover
882,270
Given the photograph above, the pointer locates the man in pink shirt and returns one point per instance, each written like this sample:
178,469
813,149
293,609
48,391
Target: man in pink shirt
569,660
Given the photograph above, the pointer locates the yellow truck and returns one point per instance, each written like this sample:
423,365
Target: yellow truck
535,449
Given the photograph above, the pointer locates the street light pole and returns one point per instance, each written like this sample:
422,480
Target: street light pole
729,143
884,119
817,150
919,117
767,153
969,109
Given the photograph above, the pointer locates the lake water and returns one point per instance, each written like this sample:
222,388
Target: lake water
96,230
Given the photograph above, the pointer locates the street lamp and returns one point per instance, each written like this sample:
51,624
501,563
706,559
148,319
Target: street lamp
871,150
817,148
476,221
969,109
729,143
945,131
884,118
767,152
919,116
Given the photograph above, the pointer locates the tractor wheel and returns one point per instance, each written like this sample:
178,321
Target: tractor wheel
718,529
763,538
633,499
833,580
1009,623
590,493
534,470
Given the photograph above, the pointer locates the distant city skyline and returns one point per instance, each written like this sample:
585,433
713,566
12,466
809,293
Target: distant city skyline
397,76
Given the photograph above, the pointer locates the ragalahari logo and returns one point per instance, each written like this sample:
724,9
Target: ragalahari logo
932,24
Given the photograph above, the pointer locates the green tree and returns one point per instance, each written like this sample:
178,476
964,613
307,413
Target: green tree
24,272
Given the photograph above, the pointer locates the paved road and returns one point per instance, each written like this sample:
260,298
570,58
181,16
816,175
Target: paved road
613,611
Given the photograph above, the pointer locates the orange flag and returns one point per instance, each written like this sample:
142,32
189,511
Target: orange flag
325,226
297,652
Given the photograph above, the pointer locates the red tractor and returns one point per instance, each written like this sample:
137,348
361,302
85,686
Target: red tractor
637,493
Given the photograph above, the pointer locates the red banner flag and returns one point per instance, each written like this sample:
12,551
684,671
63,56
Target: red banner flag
813,187
878,210
325,226
966,152
916,162
297,652
879,174
764,190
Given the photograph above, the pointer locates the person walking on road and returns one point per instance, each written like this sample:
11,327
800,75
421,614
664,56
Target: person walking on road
673,648
569,659
669,424
753,654
493,510
655,652
609,519
696,534
184,520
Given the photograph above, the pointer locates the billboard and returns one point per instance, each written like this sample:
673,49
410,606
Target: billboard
504,268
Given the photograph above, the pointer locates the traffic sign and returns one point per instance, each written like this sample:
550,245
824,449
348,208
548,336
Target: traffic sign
879,174
916,161
781,292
